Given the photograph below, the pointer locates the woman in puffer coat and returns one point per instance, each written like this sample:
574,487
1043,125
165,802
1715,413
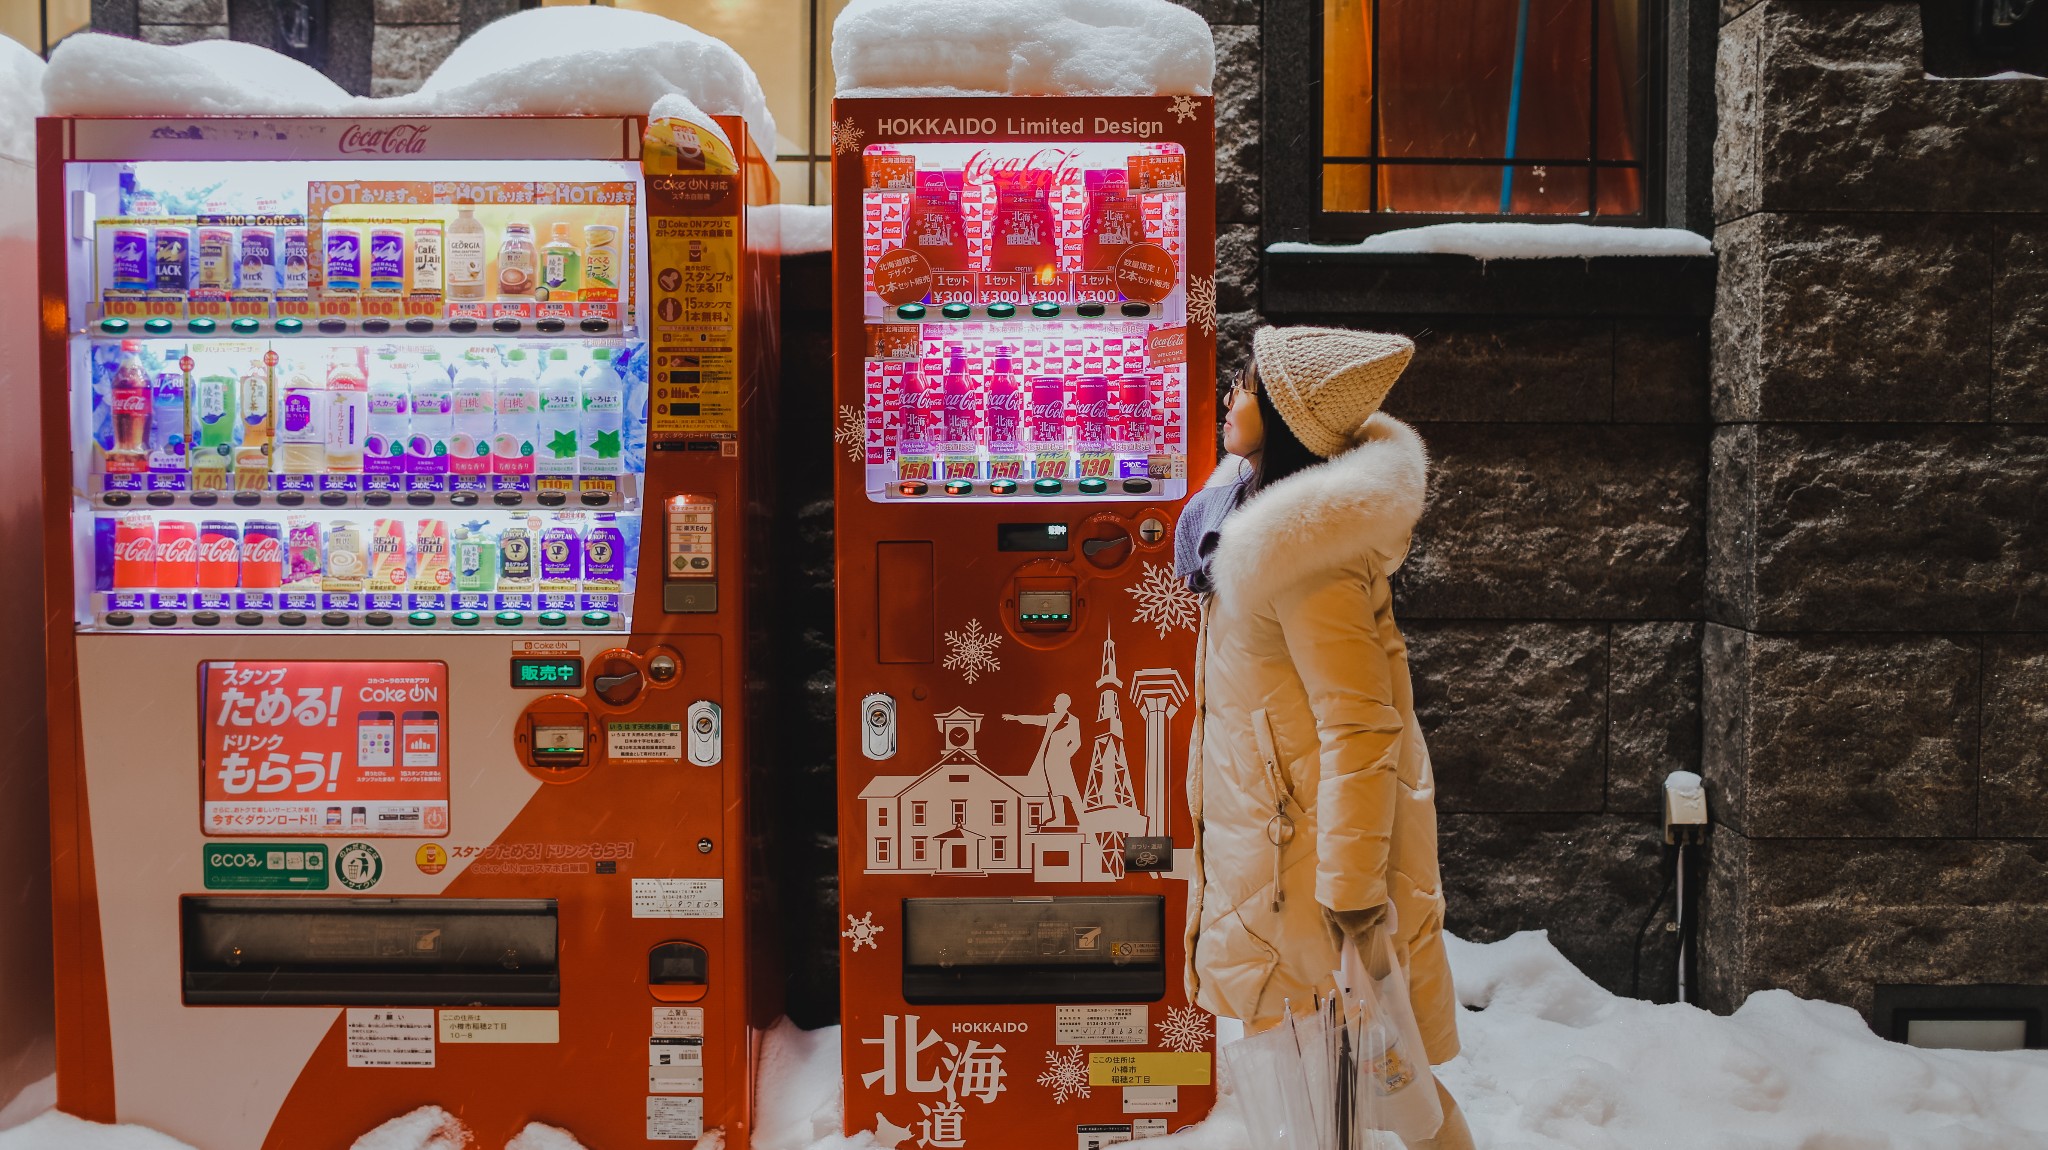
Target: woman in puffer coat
1304,711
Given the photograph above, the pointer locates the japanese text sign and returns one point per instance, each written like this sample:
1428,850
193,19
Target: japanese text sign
324,748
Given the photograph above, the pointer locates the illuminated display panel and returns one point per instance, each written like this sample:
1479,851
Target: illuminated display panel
1026,310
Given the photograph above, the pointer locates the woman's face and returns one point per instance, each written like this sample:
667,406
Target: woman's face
1244,432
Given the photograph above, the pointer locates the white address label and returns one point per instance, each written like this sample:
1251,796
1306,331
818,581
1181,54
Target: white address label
678,898
1101,1026
471,1026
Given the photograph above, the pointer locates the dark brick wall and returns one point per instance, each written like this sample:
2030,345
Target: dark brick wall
1876,741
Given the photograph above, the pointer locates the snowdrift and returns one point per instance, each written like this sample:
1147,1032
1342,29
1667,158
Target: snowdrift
1022,48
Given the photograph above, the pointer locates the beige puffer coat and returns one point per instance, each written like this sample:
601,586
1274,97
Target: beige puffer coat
1302,689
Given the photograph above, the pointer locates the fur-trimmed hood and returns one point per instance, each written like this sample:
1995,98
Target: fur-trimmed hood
1363,502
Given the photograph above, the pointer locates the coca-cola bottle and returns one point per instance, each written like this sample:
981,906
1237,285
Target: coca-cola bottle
918,412
1024,232
1005,403
957,405
130,399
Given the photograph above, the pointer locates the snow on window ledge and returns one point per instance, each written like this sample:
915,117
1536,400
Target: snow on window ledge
1516,241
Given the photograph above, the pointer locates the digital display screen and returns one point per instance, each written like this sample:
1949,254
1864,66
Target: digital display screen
1031,537
553,673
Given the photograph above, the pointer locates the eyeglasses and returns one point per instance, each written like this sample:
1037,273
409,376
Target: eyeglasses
1243,384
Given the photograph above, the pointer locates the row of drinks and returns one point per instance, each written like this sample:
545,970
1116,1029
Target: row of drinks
1026,222
950,417
486,422
569,561
423,259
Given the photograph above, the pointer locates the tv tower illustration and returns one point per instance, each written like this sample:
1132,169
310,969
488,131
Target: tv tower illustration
1109,806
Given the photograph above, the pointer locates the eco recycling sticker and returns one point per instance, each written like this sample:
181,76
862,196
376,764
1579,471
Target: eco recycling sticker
358,866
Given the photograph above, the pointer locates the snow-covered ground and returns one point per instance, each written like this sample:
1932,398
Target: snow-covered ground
1551,1062
1517,241
1022,48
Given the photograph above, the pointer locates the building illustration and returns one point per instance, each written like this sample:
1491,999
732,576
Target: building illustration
962,816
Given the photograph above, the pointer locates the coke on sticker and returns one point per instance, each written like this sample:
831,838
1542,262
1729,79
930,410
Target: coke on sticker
220,554
177,553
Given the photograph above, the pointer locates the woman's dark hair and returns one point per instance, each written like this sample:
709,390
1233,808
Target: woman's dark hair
1283,454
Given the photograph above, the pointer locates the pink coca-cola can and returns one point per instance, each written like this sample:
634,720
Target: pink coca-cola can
262,554
1130,417
1091,412
220,554
134,552
177,554
1048,413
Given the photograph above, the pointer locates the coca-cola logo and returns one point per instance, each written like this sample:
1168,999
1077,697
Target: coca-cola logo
177,549
1005,401
219,549
131,402
262,549
395,140
1058,165
139,549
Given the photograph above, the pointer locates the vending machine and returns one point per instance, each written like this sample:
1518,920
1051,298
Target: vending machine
1024,321
399,479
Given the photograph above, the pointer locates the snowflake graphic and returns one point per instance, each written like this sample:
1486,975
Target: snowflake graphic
1202,303
862,931
845,137
1185,1029
971,651
1183,108
852,431
1164,600
1066,1074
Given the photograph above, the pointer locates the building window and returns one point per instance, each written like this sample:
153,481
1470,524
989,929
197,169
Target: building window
882,817
1483,109
998,813
881,850
917,814
959,812
916,850
1034,816
999,850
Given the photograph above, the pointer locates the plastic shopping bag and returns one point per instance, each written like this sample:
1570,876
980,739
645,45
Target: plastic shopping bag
1267,1073
1392,1089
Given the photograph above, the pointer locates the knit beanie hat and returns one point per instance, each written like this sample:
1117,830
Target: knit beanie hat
1326,381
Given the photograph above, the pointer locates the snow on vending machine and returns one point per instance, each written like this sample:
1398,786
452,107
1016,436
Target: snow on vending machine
396,477
1024,321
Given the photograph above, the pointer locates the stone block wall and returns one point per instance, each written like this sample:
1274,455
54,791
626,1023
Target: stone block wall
1875,666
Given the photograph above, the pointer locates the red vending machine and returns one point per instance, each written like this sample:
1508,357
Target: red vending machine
398,488
1024,325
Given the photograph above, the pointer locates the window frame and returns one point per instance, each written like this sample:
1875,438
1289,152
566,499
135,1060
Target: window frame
1676,149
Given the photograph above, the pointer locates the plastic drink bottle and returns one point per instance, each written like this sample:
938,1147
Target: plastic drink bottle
518,267
390,428
130,398
919,409
601,442
212,413
561,265
1005,403
348,414
561,417
476,415
476,561
466,258
956,406
432,403
518,416
302,422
